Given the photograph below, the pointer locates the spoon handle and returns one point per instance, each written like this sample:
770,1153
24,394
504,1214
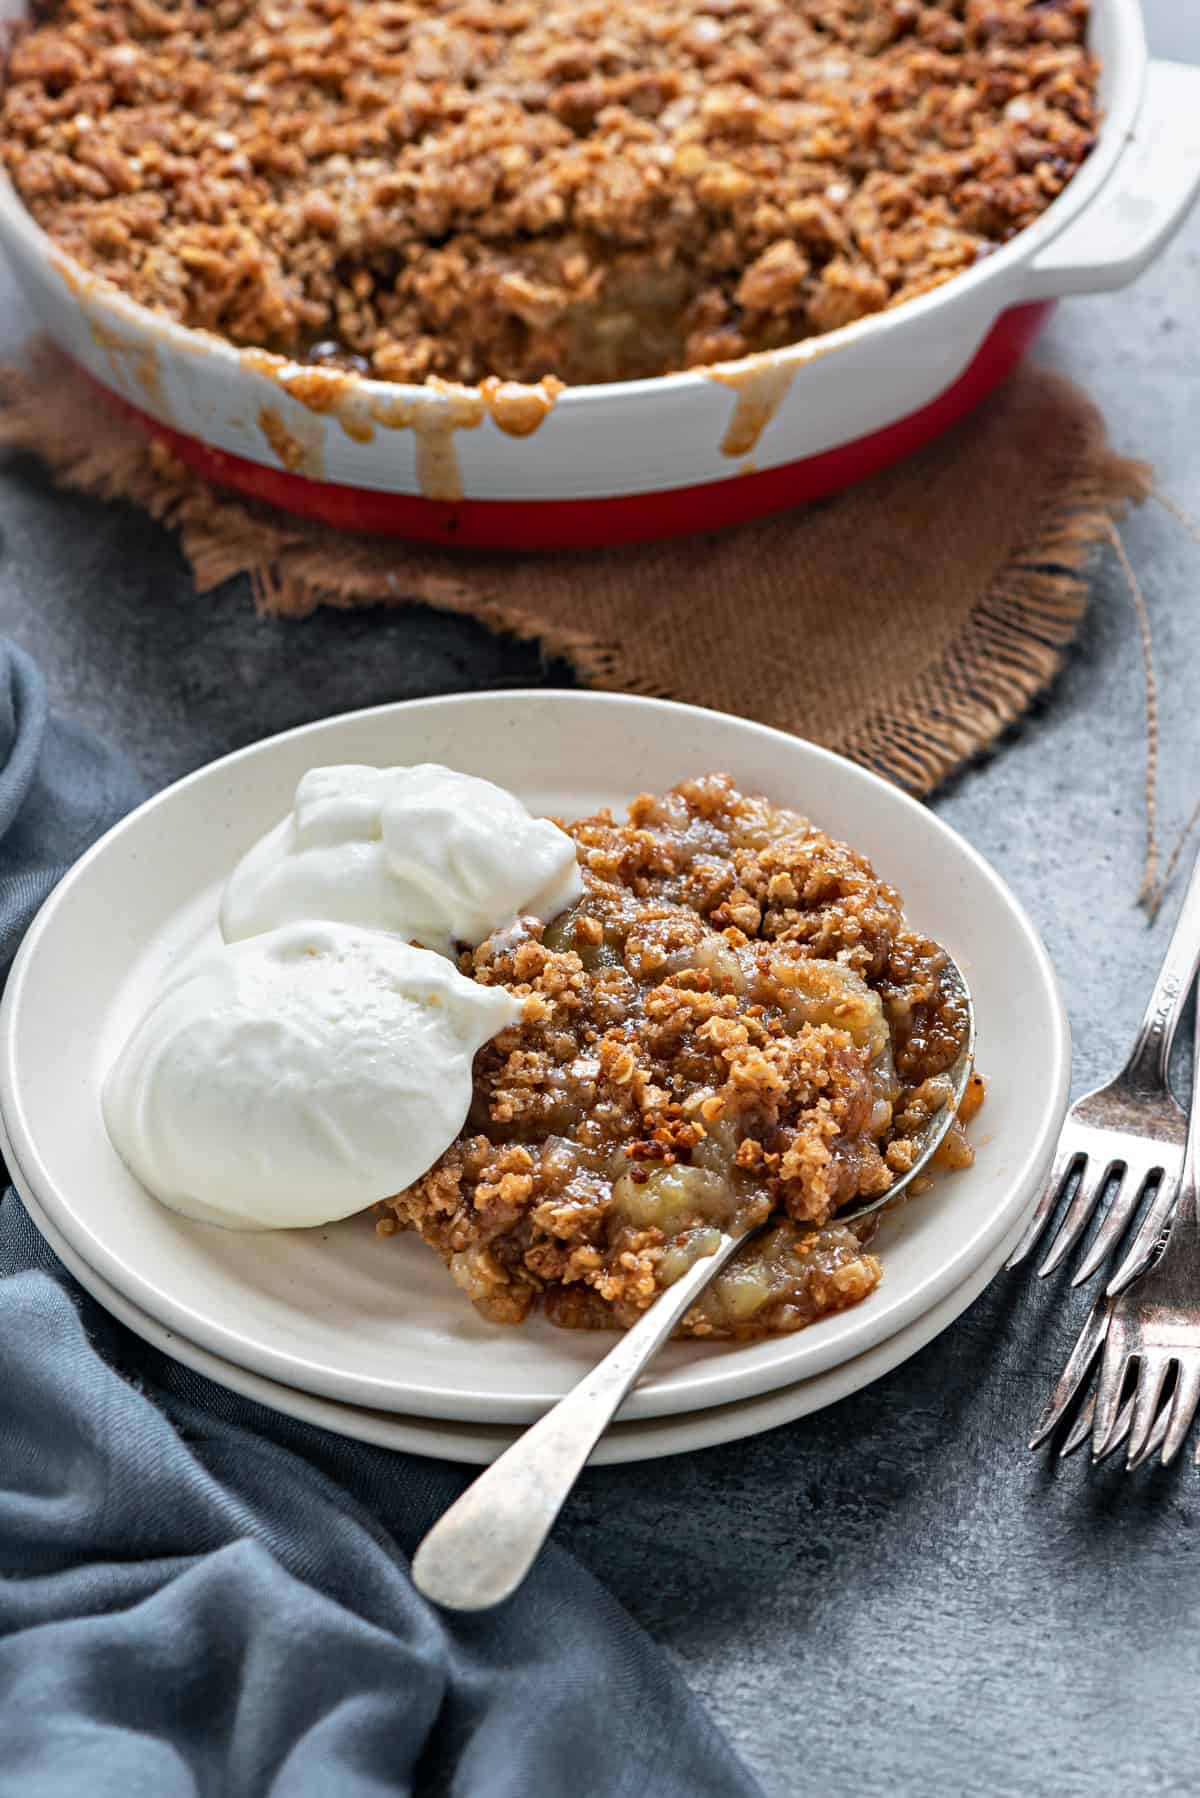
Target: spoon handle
482,1548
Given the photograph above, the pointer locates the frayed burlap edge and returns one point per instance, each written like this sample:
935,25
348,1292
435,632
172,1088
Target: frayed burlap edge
1007,654
293,567
1015,640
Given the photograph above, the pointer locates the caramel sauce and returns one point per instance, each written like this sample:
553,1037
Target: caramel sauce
761,387
761,384
298,454
134,363
328,392
319,389
518,410
434,415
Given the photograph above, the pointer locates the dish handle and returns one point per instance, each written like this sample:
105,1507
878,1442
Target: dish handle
1142,205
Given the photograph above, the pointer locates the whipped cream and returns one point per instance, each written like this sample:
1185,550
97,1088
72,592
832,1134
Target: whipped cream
300,1076
436,856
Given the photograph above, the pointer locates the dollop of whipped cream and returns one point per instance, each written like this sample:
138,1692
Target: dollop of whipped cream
436,856
300,1076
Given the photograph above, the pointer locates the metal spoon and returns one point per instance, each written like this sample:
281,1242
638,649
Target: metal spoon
478,1553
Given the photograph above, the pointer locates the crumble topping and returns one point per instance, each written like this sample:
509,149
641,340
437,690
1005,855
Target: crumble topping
734,1024
589,189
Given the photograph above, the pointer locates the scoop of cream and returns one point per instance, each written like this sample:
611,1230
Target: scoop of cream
299,1077
436,856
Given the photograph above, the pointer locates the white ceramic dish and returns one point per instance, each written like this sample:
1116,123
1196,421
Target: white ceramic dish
343,1315
478,1443
638,458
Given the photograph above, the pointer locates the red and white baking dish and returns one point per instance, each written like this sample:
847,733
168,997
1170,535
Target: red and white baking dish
638,459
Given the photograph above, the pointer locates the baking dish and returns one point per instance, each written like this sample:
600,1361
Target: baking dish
521,469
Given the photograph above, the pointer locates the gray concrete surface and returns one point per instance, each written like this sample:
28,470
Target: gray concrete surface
893,1596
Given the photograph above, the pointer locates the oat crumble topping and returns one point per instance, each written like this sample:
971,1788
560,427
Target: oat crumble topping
734,1022
591,189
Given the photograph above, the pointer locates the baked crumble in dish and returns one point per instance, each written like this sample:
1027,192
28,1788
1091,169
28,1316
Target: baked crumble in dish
734,1023
586,189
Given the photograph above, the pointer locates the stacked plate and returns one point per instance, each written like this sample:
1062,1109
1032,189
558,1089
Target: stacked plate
369,1336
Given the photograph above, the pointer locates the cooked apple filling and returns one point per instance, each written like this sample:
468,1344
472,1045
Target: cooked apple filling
734,1025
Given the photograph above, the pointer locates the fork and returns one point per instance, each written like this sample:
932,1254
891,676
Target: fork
1073,1377
1155,1324
1131,1131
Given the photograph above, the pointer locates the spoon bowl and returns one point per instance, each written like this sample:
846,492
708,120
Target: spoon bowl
957,1078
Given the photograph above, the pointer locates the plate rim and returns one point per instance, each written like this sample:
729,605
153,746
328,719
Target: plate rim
476,1444
716,1385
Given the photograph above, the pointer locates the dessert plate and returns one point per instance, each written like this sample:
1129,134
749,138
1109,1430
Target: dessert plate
342,1314
478,1443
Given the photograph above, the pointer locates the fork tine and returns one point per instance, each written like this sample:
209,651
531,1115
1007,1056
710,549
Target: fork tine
1158,1434
1154,1366
1173,1421
1113,1366
1146,1240
1092,1182
1124,1418
1080,1430
1064,1165
1115,1220
1078,1366
1183,1408
1156,1438
1120,1431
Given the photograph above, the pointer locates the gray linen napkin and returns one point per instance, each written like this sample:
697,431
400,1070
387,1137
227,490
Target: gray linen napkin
199,1596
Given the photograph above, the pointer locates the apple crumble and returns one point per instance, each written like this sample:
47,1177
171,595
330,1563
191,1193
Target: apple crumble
733,1023
588,189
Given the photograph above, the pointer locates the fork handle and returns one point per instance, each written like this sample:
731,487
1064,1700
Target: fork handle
1186,1214
1146,1069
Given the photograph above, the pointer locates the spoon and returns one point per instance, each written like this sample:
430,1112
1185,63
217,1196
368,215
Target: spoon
480,1550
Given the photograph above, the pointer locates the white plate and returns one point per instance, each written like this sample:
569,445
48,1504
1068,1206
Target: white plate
479,1443
341,1314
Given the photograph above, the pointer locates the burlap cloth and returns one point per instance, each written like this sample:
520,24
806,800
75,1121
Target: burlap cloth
904,623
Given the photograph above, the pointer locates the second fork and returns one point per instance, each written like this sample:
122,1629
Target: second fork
1153,1331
